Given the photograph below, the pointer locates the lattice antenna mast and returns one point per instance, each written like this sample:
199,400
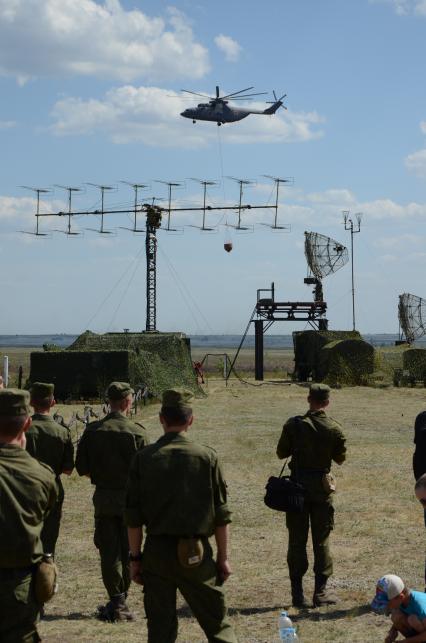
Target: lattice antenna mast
103,189
241,182
70,191
38,191
205,184
136,187
412,316
354,228
278,181
153,222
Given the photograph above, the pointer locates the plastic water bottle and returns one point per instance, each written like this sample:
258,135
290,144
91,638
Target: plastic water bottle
285,628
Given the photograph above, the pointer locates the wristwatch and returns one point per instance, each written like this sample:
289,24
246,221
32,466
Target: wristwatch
134,558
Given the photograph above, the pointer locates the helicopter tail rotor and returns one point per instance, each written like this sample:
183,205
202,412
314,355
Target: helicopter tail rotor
275,104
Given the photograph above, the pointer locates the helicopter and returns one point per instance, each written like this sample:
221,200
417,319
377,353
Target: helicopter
218,110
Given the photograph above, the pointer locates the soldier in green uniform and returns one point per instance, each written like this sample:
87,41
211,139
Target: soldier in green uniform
104,453
313,440
176,489
28,491
50,443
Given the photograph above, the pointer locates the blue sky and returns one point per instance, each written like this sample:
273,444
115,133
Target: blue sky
91,93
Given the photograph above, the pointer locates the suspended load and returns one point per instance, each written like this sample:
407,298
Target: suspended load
228,246
412,316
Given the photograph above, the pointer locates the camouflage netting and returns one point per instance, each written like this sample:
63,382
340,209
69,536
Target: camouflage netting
346,362
307,347
159,360
414,364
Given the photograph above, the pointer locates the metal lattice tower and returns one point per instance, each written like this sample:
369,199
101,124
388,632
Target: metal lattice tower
153,222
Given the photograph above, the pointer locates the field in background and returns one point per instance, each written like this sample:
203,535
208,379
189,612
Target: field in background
379,525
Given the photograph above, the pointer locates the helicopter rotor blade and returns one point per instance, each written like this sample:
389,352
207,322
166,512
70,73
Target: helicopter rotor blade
217,91
197,94
239,92
246,95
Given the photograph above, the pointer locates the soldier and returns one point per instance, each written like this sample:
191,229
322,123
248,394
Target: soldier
28,491
104,454
313,440
50,443
177,491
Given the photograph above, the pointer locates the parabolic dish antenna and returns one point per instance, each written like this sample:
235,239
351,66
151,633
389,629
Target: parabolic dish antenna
324,255
412,316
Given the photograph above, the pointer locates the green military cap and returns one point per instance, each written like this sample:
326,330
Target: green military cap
320,392
177,398
14,401
41,390
119,390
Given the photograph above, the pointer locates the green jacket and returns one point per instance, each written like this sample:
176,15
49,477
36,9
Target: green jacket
28,491
176,487
317,438
51,443
104,453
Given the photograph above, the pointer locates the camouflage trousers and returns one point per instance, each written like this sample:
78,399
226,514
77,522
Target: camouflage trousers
318,514
113,545
163,576
18,607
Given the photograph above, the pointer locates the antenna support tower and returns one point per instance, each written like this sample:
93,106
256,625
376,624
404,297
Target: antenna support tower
153,222
268,311
354,228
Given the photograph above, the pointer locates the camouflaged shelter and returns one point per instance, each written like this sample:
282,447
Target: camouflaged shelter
84,369
334,356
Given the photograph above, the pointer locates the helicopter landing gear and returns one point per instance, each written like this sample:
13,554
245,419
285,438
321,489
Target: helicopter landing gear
219,124
194,121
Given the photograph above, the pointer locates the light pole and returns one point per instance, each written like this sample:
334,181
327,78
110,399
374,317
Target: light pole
354,229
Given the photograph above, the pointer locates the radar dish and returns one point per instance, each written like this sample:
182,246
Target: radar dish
412,316
324,255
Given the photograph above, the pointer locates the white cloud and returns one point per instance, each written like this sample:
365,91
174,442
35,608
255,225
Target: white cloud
405,7
95,38
130,114
416,163
230,47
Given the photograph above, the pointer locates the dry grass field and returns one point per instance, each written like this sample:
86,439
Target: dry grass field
379,525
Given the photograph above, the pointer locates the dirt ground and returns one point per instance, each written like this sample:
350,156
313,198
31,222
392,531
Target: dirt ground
379,525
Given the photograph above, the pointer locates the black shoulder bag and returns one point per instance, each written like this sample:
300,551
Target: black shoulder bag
283,493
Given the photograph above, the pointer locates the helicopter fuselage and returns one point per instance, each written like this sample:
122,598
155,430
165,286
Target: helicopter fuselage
218,112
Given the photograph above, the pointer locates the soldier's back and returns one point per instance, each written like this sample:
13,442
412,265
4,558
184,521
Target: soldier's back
51,443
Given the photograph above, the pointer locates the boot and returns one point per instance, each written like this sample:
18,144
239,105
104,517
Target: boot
115,610
322,596
297,597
